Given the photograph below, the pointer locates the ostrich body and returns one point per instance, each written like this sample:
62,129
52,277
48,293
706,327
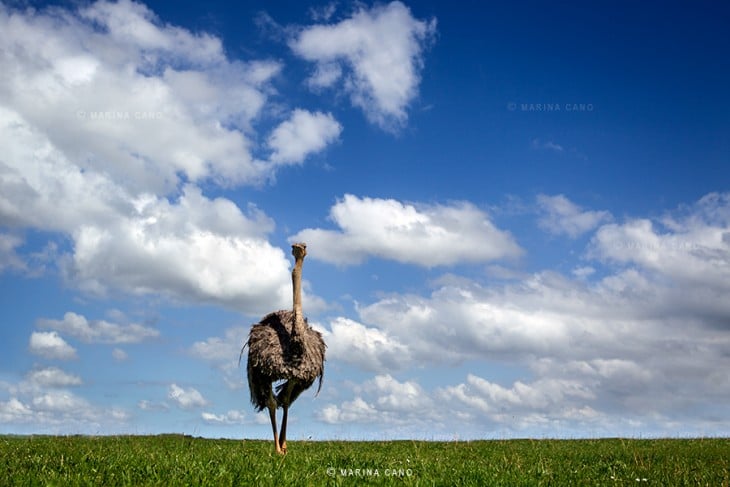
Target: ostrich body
284,348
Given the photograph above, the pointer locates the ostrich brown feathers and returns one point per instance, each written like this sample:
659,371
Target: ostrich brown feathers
276,354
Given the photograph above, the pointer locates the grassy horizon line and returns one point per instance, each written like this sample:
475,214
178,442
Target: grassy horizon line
179,459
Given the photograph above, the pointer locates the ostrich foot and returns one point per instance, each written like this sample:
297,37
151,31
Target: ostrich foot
277,448
283,448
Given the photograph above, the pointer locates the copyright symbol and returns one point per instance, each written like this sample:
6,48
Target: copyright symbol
331,471
511,107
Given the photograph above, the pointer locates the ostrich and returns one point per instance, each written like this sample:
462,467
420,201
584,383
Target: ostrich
283,347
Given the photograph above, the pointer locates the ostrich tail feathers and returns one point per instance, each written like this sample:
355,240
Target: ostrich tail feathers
240,355
319,385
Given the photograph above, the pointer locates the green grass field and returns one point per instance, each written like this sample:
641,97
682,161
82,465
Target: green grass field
182,460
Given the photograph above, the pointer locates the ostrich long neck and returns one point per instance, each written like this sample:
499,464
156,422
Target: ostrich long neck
296,279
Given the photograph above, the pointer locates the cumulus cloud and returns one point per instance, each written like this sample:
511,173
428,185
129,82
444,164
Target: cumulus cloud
547,144
196,249
613,346
540,406
393,395
228,418
119,355
494,399
221,349
368,348
464,321
59,402
146,405
189,398
376,55
124,94
174,248
15,411
8,257
133,24
694,246
53,377
688,249
51,346
223,353
355,411
385,400
108,133
42,403
560,216
302,134
99,331
425,235
323,13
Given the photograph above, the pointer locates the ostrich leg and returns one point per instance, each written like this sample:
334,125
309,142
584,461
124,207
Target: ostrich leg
272,416
285,397
282,436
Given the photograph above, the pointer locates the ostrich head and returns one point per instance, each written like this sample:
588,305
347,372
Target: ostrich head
299,250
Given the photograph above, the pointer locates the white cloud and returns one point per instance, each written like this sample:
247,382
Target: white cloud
199,249
8,257
378,53
188,398
119,98
108,132
195,248
224,352
494,399
355,411
14,411
425,235
221,349
396,396
302,134
53,377
549,145
133,24
459,322
583,272
146,405
41,404
615,348
599,351
367,348
228,418
172,248
542,406
119,355
560,216
99,331
386,401
324,76
689,248
323,13
59,401
51,346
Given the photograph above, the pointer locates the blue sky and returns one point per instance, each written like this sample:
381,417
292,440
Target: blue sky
517,216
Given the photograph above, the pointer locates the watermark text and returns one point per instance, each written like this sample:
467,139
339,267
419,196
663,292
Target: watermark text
115,115
550,107
368,472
